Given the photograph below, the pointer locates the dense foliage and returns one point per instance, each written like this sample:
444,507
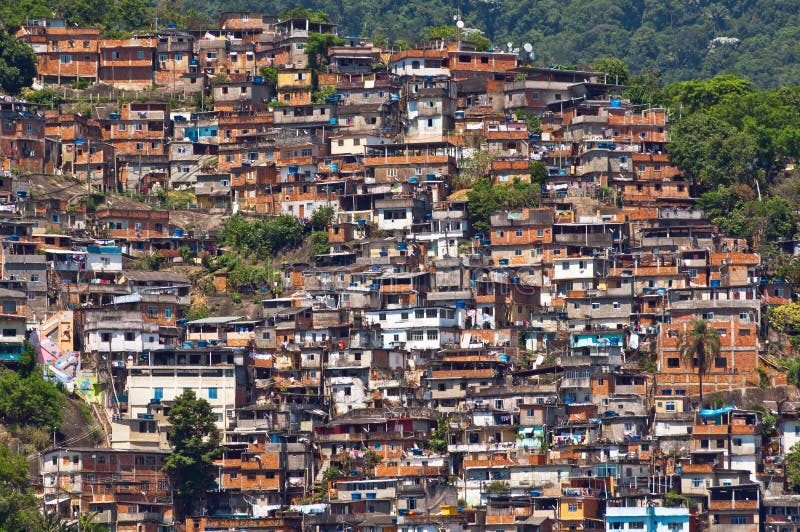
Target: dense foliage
685,38
30,400
17,64
262,238
485,199
736,144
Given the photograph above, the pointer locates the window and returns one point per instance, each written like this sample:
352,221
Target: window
66,59
670,406
417,336
9,307
572,508
636,525
9,332
518,252
518,232
130,337
616,304
720,362
168,312
178,57
615,526
738,519
152,312
673,362
674,526
737,442
540,233
433,334
212,393
140,54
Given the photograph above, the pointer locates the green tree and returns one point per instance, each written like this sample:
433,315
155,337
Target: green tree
316,49
319,243
699,346
270,75
322,218
538,172
305,13
18,508
497,486
438,441
17,64
615,69
195,443
30,400
712,152
702,94
326,91
793,468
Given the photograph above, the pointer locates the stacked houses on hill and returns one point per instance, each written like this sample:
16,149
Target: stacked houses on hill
424,373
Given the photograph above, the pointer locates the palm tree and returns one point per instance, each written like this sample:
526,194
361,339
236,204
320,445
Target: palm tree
699,346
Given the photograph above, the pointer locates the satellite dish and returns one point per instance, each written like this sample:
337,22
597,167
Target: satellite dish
528,47
460,24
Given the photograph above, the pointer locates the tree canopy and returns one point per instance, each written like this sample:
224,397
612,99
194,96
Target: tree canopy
485,199
18,507
195,445
17,64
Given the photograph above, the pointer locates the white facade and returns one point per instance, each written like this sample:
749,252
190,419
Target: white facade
397,218
347,393
217,384
790,434
418,66
412,318
652,519
575,268
104,259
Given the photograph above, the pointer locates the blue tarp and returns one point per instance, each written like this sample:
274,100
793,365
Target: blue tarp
717,412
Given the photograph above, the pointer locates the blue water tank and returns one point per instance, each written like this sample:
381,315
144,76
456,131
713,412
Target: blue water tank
334,167
460,303
413,180
362,221
616,104
402,246
177,233
275,438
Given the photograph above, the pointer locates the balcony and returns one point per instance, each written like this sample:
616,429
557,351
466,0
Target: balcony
576,382
139,517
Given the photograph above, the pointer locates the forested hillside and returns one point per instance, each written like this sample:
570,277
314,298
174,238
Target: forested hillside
756,39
